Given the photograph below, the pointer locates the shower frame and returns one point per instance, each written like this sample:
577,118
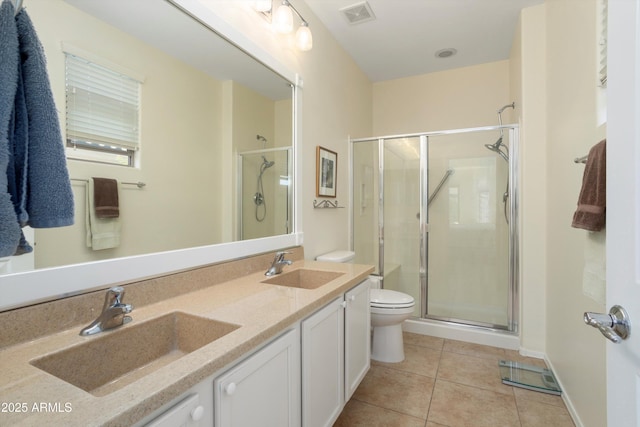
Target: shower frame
513,296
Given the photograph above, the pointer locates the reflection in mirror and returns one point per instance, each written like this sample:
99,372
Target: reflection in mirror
264,192
202,103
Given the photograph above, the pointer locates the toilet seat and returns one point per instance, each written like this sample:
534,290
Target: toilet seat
388,299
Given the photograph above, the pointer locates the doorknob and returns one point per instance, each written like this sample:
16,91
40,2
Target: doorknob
615,325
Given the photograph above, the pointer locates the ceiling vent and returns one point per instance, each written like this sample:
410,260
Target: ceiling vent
358,13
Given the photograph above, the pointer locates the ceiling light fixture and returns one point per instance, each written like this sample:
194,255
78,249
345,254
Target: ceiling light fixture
282,21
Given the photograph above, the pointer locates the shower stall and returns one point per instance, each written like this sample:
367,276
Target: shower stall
264,193
436,213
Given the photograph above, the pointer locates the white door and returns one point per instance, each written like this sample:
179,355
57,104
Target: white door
623,211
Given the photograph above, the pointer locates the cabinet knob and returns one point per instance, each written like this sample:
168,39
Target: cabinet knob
230,388
197,413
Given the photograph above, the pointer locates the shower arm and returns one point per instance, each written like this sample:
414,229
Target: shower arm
512,105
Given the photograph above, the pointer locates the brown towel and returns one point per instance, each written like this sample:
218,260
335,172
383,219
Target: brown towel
105,197
591,212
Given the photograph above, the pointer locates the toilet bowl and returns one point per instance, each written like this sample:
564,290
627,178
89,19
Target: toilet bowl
388,310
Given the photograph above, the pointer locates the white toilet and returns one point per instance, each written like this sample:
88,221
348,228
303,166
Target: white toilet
388,310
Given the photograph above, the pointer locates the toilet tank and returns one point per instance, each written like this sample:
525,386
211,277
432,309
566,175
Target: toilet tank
337,256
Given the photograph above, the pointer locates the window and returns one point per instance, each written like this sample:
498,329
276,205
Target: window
602,42
601,89
102,113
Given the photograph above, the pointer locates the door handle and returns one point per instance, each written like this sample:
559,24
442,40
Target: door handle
615,325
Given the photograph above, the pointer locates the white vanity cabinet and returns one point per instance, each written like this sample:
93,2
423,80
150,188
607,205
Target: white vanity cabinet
335,355
357,337
323,365
264,389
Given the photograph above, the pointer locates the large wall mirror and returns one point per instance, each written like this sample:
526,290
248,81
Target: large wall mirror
217,132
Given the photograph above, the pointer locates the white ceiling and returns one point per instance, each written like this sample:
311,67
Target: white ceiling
404,37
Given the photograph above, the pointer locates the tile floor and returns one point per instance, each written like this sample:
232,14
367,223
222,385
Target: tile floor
449,383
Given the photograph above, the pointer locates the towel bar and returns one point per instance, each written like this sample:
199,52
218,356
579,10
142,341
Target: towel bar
582,159
138,184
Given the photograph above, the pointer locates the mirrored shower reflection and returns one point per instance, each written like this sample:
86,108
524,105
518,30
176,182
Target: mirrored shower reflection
264,195
465,272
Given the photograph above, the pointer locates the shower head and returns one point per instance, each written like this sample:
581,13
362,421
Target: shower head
266,163
496,147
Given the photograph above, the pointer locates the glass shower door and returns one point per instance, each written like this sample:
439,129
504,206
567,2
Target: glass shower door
432,213
468,274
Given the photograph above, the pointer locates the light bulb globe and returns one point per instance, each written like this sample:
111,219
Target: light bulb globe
304,39
283,19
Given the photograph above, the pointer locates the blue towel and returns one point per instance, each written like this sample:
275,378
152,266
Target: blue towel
47,199
9,70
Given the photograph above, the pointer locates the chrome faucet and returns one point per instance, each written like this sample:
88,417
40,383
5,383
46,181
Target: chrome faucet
278,263
113,313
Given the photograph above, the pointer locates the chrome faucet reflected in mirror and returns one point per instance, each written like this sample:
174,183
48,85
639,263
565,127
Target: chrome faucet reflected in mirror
278,263
114,313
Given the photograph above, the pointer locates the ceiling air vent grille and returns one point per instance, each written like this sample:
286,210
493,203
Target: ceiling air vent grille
358,13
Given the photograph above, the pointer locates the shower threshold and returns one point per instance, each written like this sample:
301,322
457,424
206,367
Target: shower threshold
530,377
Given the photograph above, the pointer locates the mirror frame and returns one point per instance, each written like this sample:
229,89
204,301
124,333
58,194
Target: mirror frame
33,287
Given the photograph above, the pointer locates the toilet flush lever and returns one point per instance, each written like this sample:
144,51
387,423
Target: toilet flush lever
615,325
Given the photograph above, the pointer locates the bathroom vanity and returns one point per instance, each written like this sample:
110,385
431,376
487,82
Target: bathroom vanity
266,388
269,343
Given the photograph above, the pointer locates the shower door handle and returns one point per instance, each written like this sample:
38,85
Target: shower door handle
615,325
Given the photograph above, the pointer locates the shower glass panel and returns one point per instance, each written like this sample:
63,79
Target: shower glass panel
468,241
401,213
366,204
264,193
433,212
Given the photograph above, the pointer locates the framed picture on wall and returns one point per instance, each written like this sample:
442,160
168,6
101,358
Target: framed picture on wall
326,172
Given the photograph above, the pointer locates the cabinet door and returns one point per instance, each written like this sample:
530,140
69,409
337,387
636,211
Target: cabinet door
323,365
263,390
357,330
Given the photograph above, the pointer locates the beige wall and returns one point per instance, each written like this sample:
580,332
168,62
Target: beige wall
576,351
460,98
187,173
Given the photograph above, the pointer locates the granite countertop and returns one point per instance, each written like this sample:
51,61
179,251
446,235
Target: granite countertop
261,310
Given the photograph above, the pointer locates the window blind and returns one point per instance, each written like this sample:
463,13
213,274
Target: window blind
604,15
102,105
